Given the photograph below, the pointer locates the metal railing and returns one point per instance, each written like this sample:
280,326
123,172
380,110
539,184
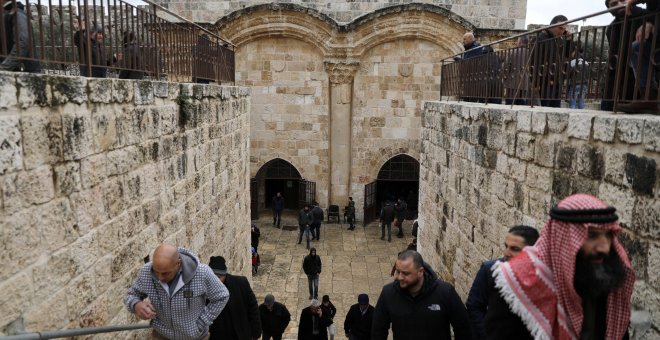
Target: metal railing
66,333
106,38
600,66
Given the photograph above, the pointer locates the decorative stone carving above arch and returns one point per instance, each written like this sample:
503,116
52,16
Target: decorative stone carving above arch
421,21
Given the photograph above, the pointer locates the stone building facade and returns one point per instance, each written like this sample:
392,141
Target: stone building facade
485,169
499,14
94,173
337,101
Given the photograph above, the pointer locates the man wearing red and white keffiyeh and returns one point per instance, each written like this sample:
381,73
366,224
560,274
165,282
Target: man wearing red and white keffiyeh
576,283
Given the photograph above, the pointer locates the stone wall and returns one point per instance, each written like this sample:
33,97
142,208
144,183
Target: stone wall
94,173
484,169
504,14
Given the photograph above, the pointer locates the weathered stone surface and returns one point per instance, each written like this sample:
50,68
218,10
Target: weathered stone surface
579,126
77,133
641,173
143,92
604,128
651,137
8,90
11,152
557,121
82,208
33,90
590,162
45,143
100,90
525,146
629,129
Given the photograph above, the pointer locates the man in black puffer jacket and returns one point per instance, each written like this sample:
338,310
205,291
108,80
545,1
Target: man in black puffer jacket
418,305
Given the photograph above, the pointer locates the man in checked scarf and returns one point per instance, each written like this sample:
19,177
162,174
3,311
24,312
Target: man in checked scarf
575,283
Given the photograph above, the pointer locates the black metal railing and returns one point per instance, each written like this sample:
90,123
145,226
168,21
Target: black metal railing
67,333
110,38
602,67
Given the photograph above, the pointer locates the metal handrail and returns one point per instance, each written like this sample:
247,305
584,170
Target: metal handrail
65,333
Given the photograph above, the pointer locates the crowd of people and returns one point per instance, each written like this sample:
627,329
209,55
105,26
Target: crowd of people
553,64
573,280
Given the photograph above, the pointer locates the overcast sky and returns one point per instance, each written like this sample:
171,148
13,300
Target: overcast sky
542,11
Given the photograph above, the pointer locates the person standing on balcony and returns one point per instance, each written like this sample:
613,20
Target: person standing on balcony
614,33
16,26
472,49
130,58
644,38
554,46
97,52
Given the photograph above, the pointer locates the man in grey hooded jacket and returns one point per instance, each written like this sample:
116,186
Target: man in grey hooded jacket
178,288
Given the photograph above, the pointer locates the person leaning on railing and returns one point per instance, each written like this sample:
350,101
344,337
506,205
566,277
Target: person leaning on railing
614,32
15,19
97,51
130,59
554,46
644,39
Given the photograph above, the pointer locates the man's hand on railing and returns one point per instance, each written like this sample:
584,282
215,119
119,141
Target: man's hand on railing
144,310
644,32
630,5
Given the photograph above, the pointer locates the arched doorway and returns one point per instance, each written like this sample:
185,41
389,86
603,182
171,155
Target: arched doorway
280,176
397,178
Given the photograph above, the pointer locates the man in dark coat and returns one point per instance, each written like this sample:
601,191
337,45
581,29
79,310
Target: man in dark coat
359,319
518,238
418,305
16,25
553,48
350,213
313,324
274,318
312,268
97,50
277,205
255,234
618,58
317,215
305,220
240,318
401,214
386,218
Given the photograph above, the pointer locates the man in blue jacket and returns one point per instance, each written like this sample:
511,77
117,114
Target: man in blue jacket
180,295
418,305
518,238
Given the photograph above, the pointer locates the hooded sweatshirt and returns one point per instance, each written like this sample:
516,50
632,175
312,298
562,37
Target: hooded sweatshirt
427,315
184,314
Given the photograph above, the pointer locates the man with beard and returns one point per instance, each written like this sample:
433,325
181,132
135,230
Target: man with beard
515,241
418,305
576,283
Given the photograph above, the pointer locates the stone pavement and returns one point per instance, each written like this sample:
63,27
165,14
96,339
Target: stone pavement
353,262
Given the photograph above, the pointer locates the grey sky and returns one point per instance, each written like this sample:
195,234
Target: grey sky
542,11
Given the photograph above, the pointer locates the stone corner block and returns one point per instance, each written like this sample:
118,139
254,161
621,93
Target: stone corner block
161,89
579,125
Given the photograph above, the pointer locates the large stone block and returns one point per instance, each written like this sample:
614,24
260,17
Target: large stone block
646,217
144,92
591,162
16,294
33,89
100,90
605,128
44,145
622,200
104,127
651,137
629,129
67,178
122,90
525,146
78,140
640,172
93,170
88,209
579,125
11,151
26,188
68,89
557,121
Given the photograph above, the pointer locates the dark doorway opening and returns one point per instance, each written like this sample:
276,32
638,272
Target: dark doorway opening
281,176
397,178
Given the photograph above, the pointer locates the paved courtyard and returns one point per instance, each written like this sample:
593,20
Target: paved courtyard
353,262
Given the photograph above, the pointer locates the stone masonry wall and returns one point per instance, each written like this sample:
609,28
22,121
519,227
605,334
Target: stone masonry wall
484,169
94,173
503,14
